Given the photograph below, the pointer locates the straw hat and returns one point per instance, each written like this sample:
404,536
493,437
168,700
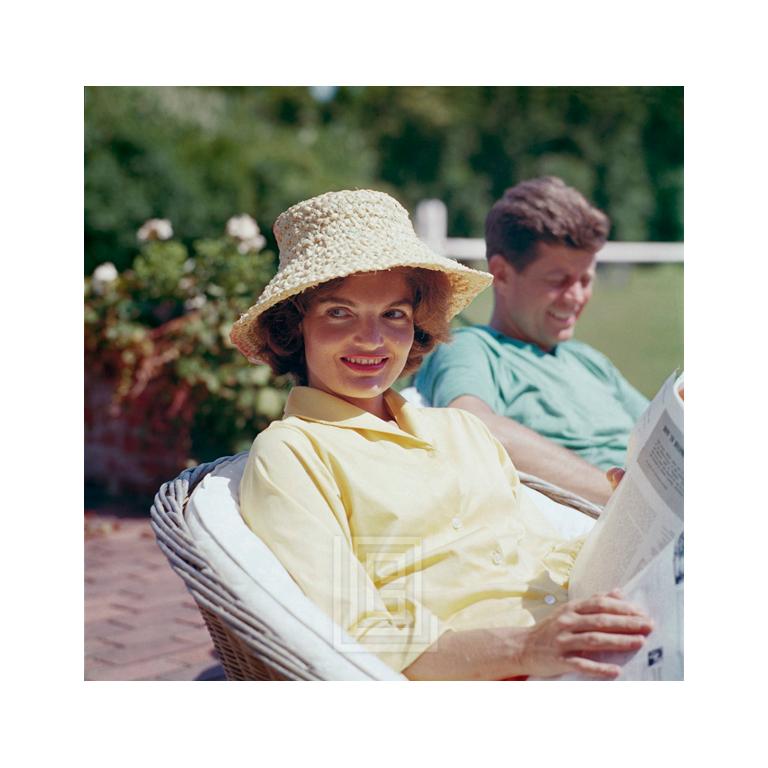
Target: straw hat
338,234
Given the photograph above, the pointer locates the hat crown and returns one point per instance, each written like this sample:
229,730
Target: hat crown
340,234
352,221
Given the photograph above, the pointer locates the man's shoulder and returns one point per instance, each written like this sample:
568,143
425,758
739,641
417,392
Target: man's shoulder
466,365
470,337
474,334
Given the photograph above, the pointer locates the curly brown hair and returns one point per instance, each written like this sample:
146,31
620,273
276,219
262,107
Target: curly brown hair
283,349
543,209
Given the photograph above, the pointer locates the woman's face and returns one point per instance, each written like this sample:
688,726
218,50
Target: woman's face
358,337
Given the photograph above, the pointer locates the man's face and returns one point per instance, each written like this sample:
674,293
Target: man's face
542,303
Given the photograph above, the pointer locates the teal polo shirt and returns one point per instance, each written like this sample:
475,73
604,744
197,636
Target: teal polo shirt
572,395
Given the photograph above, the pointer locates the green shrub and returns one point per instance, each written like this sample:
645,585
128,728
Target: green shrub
166,320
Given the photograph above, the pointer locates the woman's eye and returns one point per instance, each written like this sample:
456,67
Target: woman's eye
396,314
337,312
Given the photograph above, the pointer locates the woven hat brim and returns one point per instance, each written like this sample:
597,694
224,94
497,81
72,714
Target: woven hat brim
466,284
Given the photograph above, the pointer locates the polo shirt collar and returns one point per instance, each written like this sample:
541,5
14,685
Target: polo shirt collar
534,349
313,404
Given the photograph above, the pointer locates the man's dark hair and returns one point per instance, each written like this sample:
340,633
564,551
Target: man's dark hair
542,210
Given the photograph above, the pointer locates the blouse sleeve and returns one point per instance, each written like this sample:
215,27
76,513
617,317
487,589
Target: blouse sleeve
291,500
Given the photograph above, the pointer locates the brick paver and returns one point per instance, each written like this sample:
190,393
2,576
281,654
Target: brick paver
140,621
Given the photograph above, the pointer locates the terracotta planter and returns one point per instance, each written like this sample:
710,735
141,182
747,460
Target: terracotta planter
138,444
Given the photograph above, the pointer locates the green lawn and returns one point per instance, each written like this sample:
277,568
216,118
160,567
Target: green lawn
635,317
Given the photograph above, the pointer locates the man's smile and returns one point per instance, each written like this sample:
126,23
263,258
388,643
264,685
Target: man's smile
563,317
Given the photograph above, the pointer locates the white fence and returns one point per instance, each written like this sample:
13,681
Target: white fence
431,224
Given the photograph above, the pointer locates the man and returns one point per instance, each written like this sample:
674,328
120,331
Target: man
559,407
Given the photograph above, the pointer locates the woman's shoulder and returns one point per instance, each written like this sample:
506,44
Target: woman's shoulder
285,432
284,448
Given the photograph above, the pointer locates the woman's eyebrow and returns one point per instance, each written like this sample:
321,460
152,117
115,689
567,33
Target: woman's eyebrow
336,300
350,303
404,300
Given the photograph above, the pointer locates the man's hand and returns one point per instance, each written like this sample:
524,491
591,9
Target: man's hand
614,475
565,640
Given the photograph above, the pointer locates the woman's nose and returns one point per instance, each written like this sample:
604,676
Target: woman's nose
369,332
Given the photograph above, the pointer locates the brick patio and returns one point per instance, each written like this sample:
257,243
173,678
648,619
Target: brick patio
140,621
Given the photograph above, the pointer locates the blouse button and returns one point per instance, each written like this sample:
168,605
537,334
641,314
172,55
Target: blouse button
456,523
550,599
496,557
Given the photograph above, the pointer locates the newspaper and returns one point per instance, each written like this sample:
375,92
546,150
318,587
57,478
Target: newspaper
645,513
637,543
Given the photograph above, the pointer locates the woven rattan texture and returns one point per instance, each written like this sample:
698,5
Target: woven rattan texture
248,648
235,656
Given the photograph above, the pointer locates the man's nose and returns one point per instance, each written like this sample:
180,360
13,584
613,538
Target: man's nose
576,293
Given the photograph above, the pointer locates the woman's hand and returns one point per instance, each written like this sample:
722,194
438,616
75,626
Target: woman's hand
565,640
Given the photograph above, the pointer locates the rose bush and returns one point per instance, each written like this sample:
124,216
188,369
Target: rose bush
158,332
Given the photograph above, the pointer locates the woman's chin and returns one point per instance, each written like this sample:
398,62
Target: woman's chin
366,391
350,385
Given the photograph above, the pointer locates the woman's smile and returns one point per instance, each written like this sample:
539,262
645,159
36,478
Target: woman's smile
365,364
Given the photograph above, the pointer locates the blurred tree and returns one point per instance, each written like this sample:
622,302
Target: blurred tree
621,146
198,155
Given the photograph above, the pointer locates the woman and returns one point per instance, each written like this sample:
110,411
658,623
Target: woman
406,525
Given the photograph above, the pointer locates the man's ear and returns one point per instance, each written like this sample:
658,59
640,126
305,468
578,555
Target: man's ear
499,267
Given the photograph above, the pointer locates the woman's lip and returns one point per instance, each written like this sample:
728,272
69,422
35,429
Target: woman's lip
365,368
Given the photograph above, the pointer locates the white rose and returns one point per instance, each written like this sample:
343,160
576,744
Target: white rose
251,245
196,302
155,229
103,275
242,227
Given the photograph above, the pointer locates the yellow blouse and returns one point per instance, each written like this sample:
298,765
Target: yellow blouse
401,531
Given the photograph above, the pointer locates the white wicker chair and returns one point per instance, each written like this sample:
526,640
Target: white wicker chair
261,623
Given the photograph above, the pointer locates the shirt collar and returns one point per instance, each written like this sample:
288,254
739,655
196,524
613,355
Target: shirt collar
313,404
529,345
